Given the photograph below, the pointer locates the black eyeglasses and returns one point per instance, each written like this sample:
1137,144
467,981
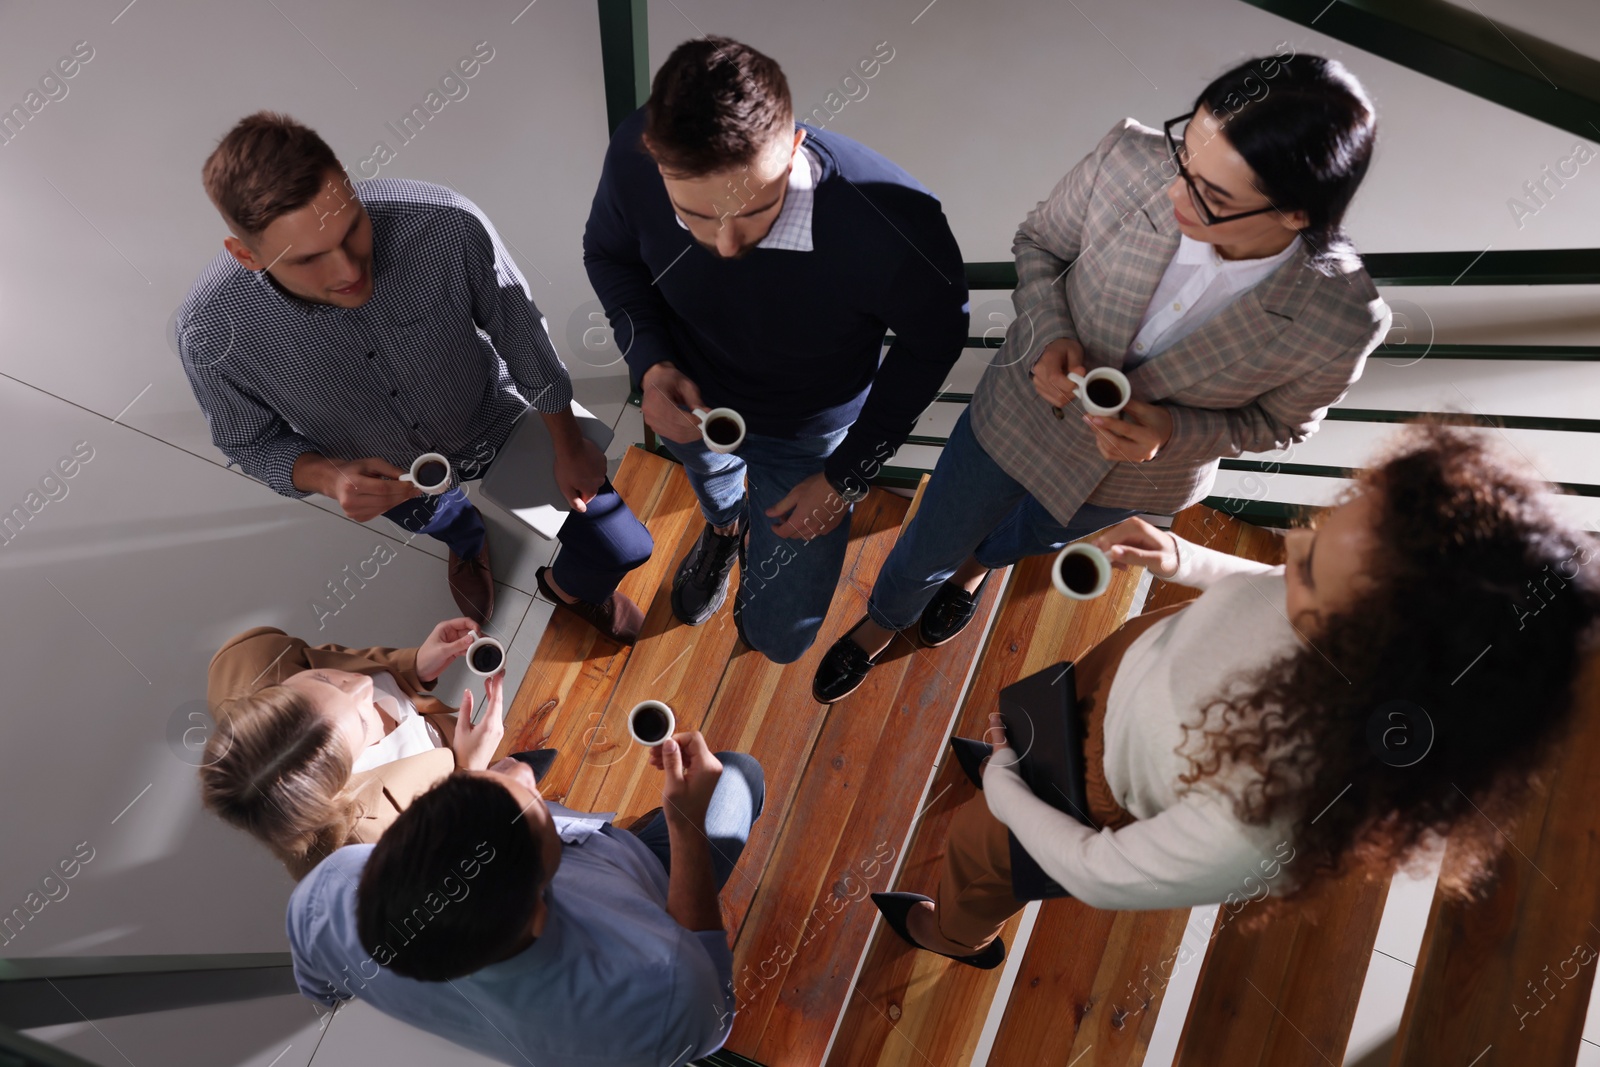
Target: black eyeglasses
1180,156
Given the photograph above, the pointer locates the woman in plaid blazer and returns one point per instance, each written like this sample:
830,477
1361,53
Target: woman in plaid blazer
1206,261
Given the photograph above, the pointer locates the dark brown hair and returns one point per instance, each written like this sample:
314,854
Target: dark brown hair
1474,569
277,769
714,105
267,166
404,912
1309,138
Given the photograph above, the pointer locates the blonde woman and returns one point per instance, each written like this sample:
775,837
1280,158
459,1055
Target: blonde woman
319,747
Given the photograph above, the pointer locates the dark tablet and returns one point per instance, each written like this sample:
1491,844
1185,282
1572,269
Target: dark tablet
1046,731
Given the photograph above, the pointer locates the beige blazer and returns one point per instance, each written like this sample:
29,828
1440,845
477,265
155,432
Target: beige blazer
1257,377
265,656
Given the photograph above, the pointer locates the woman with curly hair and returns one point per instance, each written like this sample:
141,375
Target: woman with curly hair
1243,738
320,747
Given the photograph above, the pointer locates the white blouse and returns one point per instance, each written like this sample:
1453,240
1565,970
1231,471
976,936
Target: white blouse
413,734
1188,848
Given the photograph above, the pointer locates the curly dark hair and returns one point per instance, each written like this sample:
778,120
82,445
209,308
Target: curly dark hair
1478,579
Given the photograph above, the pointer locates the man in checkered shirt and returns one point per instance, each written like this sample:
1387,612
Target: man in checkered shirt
350,327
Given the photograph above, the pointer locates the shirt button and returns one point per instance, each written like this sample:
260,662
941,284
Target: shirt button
1139,347
416,426
394,392
1177,307
370,355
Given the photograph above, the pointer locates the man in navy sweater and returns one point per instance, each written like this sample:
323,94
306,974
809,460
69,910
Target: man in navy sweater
750,262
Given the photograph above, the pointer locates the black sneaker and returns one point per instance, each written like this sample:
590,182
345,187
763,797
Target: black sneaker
701,584
949,612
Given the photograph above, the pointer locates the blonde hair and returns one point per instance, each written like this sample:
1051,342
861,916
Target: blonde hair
277,769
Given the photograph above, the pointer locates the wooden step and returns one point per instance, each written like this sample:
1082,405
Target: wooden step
1506,979
848,818
1107,971
914,1007
1286,994
562,698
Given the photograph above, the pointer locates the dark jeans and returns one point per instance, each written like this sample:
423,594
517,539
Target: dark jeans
598,546
736,803
971,507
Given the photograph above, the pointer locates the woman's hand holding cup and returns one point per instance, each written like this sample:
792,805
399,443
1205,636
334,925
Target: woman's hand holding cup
474,744
1135,543
448,640
1060,358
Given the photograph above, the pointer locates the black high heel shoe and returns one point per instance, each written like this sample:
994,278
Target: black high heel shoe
971,754
896,907
540,759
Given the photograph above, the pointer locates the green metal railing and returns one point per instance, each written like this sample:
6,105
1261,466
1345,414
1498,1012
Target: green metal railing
1462,47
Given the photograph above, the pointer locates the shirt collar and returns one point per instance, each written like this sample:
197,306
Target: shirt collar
791,230
1203,253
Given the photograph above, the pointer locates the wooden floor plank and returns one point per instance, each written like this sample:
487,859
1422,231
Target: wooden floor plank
574,670
674,663
913,1007
1505,980
850,816
1286,994
1107,971
767,710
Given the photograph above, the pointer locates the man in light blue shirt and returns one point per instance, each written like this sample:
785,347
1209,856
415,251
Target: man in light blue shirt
535,934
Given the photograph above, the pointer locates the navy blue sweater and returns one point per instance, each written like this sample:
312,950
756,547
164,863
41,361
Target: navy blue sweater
790,340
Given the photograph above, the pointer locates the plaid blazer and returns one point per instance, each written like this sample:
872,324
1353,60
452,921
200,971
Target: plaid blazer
1258,376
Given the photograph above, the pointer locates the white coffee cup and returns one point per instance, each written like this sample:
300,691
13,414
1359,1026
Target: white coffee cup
1081,560
472,655
1115,379
414,476
717,415
646,718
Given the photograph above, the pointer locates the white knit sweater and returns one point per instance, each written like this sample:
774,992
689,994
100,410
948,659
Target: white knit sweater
1187,848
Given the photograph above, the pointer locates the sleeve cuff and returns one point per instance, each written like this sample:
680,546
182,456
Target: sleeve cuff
406,661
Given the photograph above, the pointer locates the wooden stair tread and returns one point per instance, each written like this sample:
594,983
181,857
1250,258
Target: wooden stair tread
914,1007
574,666
1498,972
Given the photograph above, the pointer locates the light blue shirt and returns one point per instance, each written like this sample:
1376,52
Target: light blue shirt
613,979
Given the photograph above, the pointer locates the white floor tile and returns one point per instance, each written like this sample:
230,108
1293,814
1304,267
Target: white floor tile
272,1032
362,1036
1383,1001
1405,915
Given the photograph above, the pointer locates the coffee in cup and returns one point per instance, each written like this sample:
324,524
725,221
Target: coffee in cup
1081,572
722,429
429,472
650,722
1103,391
485,656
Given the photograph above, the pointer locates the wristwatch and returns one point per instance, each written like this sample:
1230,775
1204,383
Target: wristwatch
852,489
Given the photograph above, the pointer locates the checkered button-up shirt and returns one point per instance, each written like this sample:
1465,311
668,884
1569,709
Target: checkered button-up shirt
445,357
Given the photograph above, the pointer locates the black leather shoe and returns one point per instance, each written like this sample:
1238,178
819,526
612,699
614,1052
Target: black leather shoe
701,584
540,759
842,670
948,613
896,906
971,754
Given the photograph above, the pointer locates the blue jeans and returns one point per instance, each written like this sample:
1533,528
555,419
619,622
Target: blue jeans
957,519
598,546
787,583
736,803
